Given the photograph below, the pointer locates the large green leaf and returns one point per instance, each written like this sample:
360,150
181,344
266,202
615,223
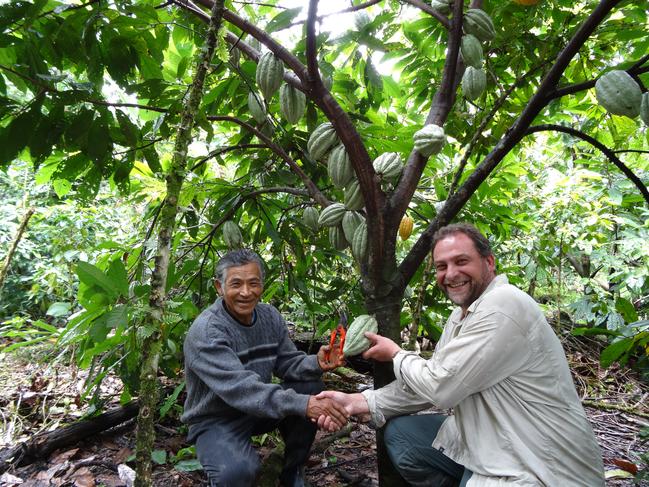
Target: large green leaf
93,276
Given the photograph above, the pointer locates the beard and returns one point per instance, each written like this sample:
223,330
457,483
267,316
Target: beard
469,291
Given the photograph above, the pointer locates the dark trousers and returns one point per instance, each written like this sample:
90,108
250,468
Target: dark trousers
408,440
224,447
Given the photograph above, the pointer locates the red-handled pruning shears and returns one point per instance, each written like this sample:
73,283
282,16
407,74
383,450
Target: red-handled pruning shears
338,334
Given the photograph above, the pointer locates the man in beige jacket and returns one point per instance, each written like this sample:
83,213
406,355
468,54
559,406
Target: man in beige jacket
517,419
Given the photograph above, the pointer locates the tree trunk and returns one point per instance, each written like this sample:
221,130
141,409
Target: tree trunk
154,323
388,312
14,245
42,444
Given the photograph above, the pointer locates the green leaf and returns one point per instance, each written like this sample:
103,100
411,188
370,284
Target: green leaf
626,309
283,19
188,465
117,273
58,309
614,351
159,456
171,400
93,276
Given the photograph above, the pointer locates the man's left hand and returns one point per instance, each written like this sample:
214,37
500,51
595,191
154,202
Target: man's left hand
329,359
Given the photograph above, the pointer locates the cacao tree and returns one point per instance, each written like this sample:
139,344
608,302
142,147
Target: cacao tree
402,114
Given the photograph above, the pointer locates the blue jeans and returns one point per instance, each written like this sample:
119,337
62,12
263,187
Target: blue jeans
224,447
409,443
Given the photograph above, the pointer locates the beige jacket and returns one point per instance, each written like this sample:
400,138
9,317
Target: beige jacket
517,417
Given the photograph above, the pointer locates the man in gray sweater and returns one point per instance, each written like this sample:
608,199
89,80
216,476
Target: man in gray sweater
232,350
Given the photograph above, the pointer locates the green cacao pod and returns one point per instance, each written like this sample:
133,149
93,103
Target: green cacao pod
359,243
354,196
327,81
235,56
471,51
340,167
256,107
355,341
618,93
292,103
332,215
429,140
254,43
474,82
322,139
310,218
644,108
337,238
231,234
270,72
350,223
389,166
441,6
478,23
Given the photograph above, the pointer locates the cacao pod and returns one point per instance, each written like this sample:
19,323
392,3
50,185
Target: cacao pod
340,167
389,166
478,23
256,107
332,215
644,108
235,56
440,6
359,243
405,227
292,103
254,43
269,75
618,93
474,82
354,196
350,223
471,51
310,218
322,139
231,234
355,341
327,81
337,238
429,140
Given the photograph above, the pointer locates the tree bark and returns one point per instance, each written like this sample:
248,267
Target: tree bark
154,323
14,245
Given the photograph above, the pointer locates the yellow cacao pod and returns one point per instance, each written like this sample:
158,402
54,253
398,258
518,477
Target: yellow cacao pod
405,227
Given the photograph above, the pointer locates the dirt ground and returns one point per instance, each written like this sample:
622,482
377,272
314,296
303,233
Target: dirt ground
37,397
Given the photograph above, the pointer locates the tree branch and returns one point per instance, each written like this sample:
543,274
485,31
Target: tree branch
315,193
441,105
517,131
595,143
354,8
634,71
483,123
430,11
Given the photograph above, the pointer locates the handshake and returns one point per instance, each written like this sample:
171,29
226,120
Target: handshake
332,409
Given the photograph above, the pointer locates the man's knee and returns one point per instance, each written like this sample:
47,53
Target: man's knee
240,472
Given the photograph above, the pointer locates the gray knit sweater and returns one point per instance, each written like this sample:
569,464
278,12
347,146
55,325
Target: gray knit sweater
229,366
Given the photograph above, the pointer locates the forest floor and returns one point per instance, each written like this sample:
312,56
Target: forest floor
36,397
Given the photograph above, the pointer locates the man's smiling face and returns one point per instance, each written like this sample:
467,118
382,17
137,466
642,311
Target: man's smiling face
241,290
462,273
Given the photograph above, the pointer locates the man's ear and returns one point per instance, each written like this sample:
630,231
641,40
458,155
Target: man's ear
219,289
